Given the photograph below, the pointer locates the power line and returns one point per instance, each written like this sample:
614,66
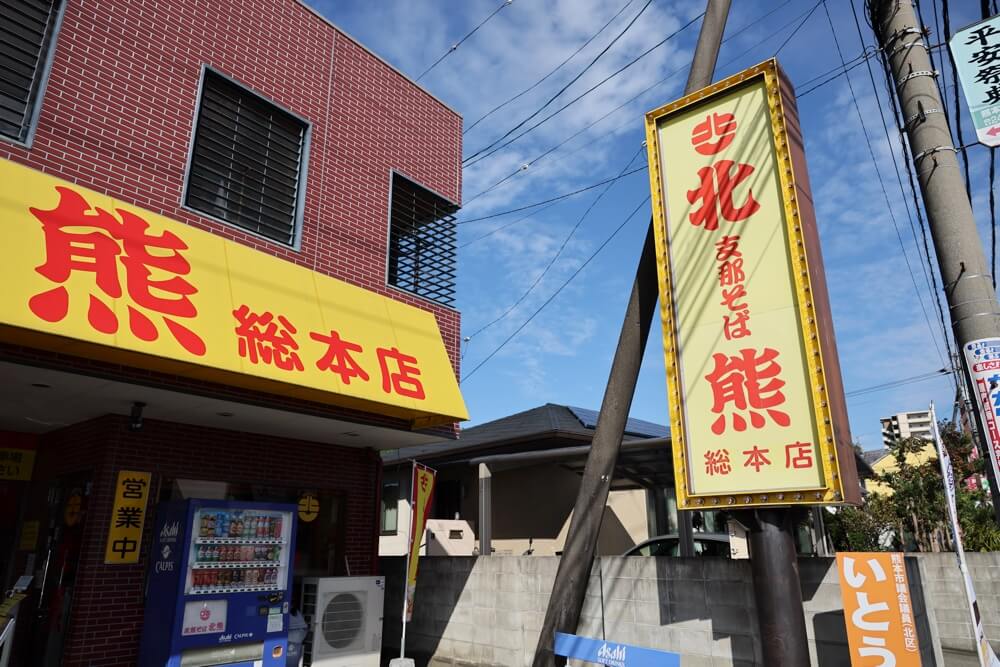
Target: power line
898,383
984,6
928,268
885,194
803,16
993,213
839,72
551,199
509,224
958,108
479,156
560,289
928,265
565,87
457,44
632,99
551,72
558,252
799,27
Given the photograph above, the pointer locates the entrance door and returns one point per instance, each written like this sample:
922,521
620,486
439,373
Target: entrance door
67,517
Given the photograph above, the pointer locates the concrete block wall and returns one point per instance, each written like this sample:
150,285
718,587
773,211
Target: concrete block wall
489,610
946,603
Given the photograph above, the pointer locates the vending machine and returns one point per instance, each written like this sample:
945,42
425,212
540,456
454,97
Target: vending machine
219,585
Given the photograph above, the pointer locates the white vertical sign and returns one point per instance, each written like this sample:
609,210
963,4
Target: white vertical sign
982,362
987,658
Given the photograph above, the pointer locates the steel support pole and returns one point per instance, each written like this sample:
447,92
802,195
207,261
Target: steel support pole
573,575
776,587
965,275
485,510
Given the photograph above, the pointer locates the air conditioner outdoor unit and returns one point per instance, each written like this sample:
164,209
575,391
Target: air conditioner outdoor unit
344,617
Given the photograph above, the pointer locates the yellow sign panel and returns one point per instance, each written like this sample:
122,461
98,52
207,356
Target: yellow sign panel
95,271
750,408
16,463
127,517
421,496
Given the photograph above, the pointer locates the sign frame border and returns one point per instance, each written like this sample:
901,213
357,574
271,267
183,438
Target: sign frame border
812,307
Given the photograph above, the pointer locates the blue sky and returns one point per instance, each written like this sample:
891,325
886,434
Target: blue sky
564,354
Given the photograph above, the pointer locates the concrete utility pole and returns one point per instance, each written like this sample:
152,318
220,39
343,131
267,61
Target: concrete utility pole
965,275
573,575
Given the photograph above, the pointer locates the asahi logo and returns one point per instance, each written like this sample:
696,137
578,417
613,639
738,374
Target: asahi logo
613,656
170,531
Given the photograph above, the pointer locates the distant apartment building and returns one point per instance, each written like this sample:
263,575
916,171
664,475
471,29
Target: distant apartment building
906,425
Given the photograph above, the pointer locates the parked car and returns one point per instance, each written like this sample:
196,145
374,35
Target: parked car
705,544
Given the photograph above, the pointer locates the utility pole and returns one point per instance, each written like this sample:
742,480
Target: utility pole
965,275
573,575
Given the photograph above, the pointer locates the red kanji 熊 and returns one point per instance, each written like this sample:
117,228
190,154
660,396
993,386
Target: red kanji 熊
751,383
79,237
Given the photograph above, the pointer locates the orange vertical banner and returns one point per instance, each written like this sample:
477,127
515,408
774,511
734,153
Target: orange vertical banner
877,610
421,496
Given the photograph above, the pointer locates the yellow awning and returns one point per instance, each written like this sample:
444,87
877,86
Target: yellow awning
88,275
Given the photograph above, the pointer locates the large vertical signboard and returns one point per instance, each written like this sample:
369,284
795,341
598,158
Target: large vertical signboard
756,400
976,50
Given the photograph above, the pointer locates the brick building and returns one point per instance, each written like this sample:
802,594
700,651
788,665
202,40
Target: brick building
230,264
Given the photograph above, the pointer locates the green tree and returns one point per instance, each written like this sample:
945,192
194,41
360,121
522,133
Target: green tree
861,528
914,516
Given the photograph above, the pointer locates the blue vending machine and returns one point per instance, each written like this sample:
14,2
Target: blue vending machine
219,585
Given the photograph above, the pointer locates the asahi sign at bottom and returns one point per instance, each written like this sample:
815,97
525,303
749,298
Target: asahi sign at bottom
982,362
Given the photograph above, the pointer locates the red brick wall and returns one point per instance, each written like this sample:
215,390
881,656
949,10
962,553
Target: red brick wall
106,617
118,112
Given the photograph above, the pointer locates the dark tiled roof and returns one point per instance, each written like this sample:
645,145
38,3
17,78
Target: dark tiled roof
636,427
545,421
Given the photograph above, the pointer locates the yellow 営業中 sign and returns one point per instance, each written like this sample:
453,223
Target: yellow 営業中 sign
757,406
128,516
92,276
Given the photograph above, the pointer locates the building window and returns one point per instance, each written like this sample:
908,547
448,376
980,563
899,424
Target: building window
26,35
248,161
390,509
422,242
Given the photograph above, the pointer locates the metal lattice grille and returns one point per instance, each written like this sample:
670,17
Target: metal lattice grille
342,620
25,35
422,242
247,161
308,614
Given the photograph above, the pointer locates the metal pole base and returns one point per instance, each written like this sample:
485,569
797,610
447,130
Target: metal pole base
777,592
